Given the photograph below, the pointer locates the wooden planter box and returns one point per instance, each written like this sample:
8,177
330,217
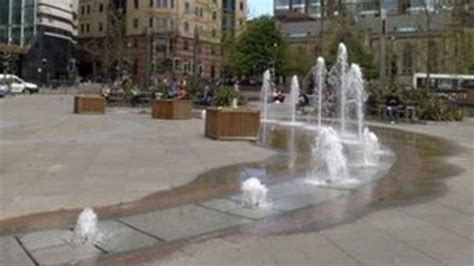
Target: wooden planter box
171,109
89,105
232,124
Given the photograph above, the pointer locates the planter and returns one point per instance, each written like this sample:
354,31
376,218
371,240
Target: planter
232,124
171,109
89,105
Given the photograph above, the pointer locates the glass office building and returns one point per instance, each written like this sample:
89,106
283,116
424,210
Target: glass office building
28,31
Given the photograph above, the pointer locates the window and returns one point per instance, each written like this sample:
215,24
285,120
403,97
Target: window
241,22
151,3
88,28
408,59
101,27
214,15
186,7
135,23
83,10
196,11
136,4
186,26
185,45
101,7
82,28
171,3
241,6
214,33
88,9
150,22
201,12
165,3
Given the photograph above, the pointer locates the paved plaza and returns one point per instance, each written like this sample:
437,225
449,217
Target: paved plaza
52,159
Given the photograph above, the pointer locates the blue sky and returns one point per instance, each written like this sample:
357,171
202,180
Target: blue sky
260,7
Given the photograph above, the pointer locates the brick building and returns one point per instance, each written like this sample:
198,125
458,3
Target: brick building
154,39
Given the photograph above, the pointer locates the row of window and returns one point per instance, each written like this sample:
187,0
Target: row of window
87,9
168,24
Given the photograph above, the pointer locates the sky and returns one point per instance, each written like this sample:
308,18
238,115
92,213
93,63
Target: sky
260,7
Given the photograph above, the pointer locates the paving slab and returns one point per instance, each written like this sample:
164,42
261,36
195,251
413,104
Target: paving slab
302,200
65,254
182,222
117,237
11,253
223,205
46,239
256,212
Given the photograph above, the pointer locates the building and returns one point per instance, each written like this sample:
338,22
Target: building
156,39
329,8
28,30
409,46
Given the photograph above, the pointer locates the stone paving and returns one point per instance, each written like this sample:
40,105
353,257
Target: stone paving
437,232
52,159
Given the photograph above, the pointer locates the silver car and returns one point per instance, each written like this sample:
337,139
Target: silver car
3,90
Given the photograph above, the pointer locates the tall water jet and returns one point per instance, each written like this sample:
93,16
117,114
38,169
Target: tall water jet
329,149
86,230
355,91
337,80
371,148
319,84
293,97
265,93
254,193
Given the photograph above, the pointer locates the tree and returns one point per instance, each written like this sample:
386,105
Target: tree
260,46
350,34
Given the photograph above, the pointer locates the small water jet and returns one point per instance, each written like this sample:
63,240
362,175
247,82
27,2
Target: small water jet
330,150
337,81
356,94
319,76
86,230
371,148
254,193
264,94
293,97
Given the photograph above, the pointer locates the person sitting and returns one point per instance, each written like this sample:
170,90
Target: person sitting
182,93
278,96
207,96
392,105
303,100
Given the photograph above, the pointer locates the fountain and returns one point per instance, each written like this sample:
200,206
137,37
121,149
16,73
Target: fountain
319,76
86,230
264,94
293,98
356,94
337,80
254,193
330,150
371,148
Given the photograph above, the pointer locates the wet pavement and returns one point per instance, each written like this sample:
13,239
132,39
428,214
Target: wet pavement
412,215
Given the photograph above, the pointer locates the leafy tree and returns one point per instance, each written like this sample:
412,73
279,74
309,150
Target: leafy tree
346,31
258,47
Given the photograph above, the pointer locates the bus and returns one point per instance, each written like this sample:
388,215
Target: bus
444,81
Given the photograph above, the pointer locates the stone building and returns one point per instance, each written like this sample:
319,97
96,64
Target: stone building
446,46
153,39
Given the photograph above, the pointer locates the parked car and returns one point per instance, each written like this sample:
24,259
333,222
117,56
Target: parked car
17,85
3,90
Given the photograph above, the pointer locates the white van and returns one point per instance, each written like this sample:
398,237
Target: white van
17,85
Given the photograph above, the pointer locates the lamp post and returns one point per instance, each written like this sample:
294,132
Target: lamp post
44,64
383,48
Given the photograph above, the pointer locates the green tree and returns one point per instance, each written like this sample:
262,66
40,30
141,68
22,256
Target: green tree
347,31
259,46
